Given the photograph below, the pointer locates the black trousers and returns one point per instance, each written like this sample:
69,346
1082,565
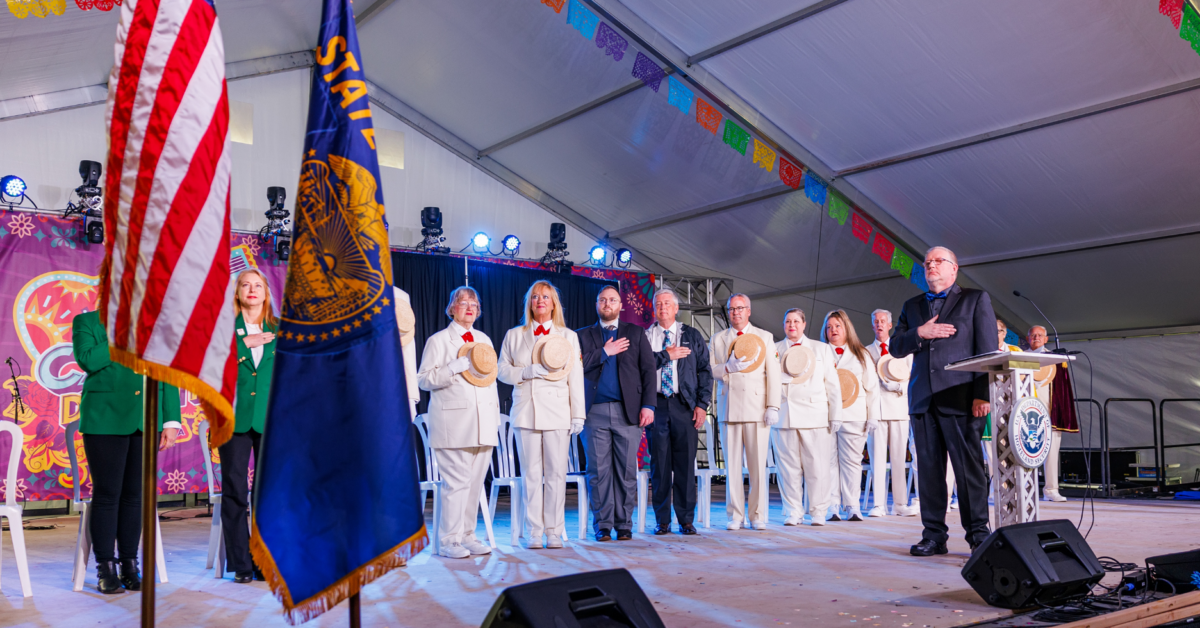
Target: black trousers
958,437
672,441
235,499
115,463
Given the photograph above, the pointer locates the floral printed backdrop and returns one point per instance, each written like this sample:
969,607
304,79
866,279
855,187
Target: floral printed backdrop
48,274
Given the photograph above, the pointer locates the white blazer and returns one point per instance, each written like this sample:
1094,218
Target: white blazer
460,413
410,360
866,405
540,404
744,397
893,398
817,401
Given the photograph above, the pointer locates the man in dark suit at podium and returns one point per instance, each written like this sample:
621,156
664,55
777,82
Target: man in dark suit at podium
948,408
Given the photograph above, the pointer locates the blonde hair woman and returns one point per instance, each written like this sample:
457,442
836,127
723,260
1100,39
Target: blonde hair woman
864,412
547,410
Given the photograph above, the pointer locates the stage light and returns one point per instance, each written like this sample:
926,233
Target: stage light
624,257
431,230
555,258
481,242
90,205
12,186
95,232
512,244
277,232
597,254
558,236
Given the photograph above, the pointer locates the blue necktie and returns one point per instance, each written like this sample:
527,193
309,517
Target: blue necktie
930,296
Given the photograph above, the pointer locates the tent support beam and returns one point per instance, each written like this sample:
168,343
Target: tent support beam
369,13
1017,129
707,210
763,30
402,111
1093,245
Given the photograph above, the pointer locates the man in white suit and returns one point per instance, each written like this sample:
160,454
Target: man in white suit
747,407
890,434
463,420
803,440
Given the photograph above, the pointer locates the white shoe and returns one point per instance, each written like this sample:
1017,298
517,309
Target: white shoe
817,522
760,525
908,511
733,525
1053,496
791,521
855,516
954,506
454,551
553,541
476,548
876,511
534,542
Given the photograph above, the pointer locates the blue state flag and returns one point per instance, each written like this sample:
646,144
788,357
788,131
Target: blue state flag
336,503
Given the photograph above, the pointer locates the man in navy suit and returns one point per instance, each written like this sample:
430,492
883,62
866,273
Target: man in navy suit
948,408
684,391
618,369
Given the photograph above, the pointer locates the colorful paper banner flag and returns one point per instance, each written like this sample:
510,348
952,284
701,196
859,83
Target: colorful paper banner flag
557,5
1190,31
678,96
1172,9
838,209
918,278
612,43
707,116
790,173
582,19
815,189
764,156
736,137
862,229
902,263
883,248
648,71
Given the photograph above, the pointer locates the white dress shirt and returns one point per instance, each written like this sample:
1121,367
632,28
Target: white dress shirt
657,337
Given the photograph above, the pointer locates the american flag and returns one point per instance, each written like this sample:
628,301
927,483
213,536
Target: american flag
165,292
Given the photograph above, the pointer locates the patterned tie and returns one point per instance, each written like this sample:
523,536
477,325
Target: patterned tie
882,349
668,377
467,337
541,331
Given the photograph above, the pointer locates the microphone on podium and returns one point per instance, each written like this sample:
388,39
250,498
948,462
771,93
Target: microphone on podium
1057,348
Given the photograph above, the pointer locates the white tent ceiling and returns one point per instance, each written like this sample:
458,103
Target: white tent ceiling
991,108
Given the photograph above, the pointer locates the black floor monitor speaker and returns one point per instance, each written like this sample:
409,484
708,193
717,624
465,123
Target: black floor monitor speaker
1040,562
1182,570
596,599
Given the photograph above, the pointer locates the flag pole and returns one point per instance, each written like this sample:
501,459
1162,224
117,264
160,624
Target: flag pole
149,499
355,612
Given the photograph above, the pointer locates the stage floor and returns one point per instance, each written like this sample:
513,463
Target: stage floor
844,574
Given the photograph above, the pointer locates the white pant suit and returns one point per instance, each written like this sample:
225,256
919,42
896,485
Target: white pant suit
852,435
889,441
463,422
742,401
803,441
542,411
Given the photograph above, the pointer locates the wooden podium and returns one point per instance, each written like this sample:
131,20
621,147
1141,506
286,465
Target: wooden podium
1010,379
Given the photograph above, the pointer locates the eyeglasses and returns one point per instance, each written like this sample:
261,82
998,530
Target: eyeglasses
740,308
613,300
937,261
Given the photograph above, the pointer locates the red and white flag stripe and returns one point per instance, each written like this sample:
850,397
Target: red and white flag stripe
165,293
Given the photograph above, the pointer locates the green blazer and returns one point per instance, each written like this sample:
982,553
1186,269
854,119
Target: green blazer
112,394
254,383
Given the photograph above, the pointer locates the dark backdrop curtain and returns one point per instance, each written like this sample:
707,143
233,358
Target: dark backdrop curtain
429,280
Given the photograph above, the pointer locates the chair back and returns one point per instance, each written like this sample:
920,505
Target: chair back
431,466
505,464
14,459
72,429
573,457
202,433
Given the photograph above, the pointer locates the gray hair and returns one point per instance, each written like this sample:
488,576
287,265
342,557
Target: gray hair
662,291
459,293
889,315
1030,332
949,253
795,310
736,295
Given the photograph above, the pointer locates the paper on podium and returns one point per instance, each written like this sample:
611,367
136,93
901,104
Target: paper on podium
1008,360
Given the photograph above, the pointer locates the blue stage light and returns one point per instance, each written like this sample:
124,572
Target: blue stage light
481,242
624,257
12,186
511,244
597,254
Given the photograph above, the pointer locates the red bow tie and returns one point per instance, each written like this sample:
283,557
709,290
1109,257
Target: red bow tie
467,337
882,348
839,350
739,333
541,331
795,344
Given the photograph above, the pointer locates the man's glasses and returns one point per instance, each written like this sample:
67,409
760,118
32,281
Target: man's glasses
740,308
937,261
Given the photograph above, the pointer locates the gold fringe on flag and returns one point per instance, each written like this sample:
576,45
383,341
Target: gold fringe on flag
217,408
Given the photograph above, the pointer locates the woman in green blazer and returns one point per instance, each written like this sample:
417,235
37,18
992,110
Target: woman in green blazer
111,416
255,328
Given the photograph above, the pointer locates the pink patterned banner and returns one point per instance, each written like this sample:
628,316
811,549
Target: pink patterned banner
48,274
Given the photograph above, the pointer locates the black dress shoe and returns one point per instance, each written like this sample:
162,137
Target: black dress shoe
927,548
624,535
243,577
604,535
661,529
130,578
687,529
106,576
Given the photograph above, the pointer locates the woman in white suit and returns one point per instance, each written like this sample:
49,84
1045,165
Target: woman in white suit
463,420
851,433
545,412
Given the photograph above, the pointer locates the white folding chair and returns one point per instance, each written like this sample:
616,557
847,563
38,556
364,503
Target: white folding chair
11,509
643,494
434,483
83,539
577,475
216,540
505,472
869,467
704,477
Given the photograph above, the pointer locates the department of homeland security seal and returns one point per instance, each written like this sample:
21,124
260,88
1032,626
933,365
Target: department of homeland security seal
1029,432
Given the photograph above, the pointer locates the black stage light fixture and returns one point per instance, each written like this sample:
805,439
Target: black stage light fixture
91,203
597,255
624,258
431,230
558,236
511,244
277,232
481,243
